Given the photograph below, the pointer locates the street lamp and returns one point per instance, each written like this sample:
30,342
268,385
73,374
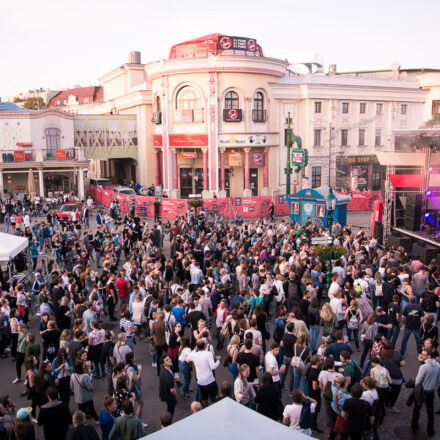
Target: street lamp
330,201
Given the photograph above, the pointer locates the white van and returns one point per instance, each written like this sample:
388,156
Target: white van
101,182
125,190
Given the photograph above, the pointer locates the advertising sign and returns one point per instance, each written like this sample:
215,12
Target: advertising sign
60,154
188,155
157,140
245,140
232,115
257,158
235,159
19,156
236,43
188,140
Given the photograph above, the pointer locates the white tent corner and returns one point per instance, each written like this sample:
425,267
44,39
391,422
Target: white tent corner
11,245
227,420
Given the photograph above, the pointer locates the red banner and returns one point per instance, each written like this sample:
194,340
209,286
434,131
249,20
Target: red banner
171,208
144,206
221,207
19,156
281,208
157,140
251,207
364,201
60,154
188,140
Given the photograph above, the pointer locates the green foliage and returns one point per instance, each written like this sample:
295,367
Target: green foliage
35,103
196,203
434,121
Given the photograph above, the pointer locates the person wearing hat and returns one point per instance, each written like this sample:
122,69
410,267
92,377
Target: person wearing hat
23,429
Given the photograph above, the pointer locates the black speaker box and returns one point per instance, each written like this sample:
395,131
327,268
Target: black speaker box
413,212
426,251
378,232
399,240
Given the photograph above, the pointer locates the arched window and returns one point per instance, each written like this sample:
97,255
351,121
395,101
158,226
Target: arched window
158,103
53,136
258,101
187,99
231,100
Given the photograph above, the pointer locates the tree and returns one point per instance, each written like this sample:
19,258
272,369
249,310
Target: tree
435,120
35,103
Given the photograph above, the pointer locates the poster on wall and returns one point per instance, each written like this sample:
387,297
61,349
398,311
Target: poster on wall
226,42
295,208
257,158
320,210
235,159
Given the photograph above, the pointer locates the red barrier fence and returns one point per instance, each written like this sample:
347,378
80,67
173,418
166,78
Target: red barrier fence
363,201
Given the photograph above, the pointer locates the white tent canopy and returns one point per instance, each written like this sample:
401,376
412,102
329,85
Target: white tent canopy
11,245
226,420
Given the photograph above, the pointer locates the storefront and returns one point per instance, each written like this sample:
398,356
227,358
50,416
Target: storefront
360,173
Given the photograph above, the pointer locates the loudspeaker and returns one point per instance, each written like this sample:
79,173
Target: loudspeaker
399,240
426,252
413,212
378,232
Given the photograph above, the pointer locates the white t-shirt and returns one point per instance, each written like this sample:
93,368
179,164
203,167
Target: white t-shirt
270,362
256,335
334,289
325,376
370,396
204,364
336,306
293,413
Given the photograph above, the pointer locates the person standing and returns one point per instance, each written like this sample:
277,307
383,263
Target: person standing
413,315
167,385
428,377
128,426
156,205
81,430
271,364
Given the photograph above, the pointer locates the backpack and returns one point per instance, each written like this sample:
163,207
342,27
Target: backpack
297,361
305,420
292,291
147,304
357,374
278,333
226,330
378,291
353,323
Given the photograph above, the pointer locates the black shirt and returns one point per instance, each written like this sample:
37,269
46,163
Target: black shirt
289,340
357,412
393,310
312,376
412,313
252,361
166,384
383,319
55,418
194,317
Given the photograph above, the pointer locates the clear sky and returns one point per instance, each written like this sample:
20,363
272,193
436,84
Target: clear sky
58,44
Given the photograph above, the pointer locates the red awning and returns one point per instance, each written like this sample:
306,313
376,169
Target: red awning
407,180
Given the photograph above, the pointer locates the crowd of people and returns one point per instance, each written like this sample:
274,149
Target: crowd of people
253,299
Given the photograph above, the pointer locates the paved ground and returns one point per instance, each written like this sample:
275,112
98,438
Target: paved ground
153,406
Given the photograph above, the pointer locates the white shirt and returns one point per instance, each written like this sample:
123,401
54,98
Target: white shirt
336,306
370,396
334,289
271,363
184,355
257,338
293,413
325,376
204,364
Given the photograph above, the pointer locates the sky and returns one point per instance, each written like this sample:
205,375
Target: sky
59,44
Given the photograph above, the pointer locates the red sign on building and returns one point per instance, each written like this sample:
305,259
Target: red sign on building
188,140
60,154
188,155
19,156
157,140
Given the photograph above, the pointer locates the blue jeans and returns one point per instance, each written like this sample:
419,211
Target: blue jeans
406,334
234,371
395,334
314,333
355,335
185,369
99,372
297,374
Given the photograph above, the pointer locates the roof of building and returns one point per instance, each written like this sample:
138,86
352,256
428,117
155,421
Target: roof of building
10,107
212,44
416,69
84,95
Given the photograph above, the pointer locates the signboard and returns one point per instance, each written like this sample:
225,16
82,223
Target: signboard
188,140
257,158
188,155
236,43
299,157
232,115
60,154
19,156
321,240
157,140
24,144
362,159
244,140
235,159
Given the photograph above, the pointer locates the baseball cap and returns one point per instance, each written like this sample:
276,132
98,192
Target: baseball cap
24,413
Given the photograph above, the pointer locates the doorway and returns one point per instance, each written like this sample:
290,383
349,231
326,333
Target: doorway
253,181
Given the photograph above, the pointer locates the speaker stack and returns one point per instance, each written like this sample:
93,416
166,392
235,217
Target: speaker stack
413,212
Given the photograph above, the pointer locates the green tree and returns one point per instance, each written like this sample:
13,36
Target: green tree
435,120
35,103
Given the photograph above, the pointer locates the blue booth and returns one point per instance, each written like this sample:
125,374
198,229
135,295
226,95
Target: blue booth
312,203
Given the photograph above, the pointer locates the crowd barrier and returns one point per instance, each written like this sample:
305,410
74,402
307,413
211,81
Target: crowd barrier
226,208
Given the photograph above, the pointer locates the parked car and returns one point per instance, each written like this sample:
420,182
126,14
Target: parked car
67,208
125,190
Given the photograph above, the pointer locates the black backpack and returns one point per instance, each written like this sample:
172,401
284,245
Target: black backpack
357,374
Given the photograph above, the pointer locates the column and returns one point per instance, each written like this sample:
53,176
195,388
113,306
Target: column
81,183
222,169
265,190
175,171
247,191
2,189
205,170
41,182
158,166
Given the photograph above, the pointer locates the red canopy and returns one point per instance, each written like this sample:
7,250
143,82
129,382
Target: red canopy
407,180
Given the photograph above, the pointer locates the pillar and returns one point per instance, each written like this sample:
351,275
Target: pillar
205,194
247,189
265,190
222,192
175,171
81,183
2,188
158,166
41,182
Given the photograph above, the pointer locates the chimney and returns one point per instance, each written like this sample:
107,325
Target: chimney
395,67
332,69
134,57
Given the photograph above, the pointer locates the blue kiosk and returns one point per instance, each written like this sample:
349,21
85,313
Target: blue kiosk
312,203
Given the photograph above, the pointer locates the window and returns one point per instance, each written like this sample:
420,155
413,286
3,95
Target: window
318,107
362,108
158,103
435,107
258,112
361,137
258,101
231,100
345,107
379,108
187,99
316,138
403,109
344,137
52,138
377,140
316,177
376,180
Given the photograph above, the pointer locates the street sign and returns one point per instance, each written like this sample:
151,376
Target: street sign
321,240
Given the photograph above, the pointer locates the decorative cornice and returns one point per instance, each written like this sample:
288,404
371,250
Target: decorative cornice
36,114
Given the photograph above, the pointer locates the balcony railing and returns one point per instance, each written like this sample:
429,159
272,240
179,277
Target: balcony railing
11,156
60,154
259,115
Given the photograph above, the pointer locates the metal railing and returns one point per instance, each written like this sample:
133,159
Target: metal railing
10,156
259,115
59,154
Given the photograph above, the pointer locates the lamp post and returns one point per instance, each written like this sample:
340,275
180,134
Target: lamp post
289,142
331,206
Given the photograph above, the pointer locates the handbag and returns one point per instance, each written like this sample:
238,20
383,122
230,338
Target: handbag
341,426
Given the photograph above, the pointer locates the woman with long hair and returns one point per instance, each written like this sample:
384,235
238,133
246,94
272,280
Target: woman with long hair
81,384
61,370
368,334
267,397
244,392
122,392
133,372
393,361
96,342
31,368
185,365
23,429
300,350
108,416
353,317
231,356
158,330
173,347
328,321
